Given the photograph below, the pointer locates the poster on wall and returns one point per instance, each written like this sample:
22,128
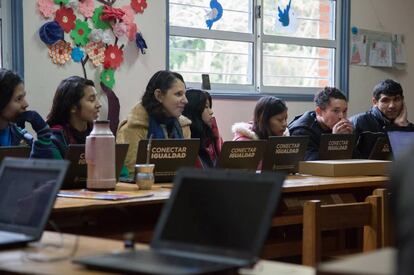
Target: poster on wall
380,54
359,50
399,49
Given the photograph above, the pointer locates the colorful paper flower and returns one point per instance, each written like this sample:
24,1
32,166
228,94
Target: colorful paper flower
120,29
46,7
60,52
112,14
96,18
64,2
139,5
81,32
96,52
129,14
77,54
96,35
141,44
86,8
107,78
73,4
66,18
51,32
132,31
113,57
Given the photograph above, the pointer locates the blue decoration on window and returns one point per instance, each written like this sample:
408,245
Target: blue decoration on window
215,14
284,15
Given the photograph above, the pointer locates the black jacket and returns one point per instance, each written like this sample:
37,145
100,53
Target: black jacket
372,121
307,125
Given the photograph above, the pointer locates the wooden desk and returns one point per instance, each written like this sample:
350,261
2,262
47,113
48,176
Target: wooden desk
16,261
112,219
379,262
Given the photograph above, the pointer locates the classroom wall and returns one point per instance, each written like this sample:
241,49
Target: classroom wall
42,77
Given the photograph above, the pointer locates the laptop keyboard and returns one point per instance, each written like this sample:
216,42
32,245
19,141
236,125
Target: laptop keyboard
158,263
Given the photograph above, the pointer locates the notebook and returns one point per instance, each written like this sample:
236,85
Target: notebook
28,192
14,151
336,146
244,155
284,153
215,220
401,140
168,155
78,170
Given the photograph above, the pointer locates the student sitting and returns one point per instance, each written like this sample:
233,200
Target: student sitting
13,112
269,119
203,126
388,109
329,117
158,115
75,107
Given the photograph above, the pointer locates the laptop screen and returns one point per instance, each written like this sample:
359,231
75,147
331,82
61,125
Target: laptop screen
221,215
26,197
400,141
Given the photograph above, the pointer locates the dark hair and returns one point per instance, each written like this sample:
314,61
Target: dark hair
323,97
387,87
162,80
8,83
266,107
68,94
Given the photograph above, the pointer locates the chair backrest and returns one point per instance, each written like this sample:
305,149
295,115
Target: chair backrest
318,218
386,226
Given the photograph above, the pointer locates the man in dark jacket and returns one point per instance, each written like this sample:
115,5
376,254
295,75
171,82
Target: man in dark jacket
329,117
388,109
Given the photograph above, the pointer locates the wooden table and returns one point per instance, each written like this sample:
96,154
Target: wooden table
111,219
379,262
20,261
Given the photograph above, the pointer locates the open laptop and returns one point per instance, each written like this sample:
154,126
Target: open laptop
284,153
381,149
168,155
78,171
401,139
28,192
244,155
215,220
14,151
336,146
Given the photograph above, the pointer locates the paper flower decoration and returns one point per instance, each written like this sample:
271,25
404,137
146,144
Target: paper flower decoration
129,14
99,23
141,44
64,2
107,78
66,18
77,54
112,14
120,29
73,4
96,52
81,33
86,8
46,7
60,52
132,30
113,57
139,5
51,32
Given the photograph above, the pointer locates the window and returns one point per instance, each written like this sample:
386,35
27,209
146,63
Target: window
248,52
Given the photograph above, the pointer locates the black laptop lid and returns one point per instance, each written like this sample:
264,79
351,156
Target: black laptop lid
241,154
381,149
219,212
168,155
401,139
336,146
14,151
284,153
78,170
28,192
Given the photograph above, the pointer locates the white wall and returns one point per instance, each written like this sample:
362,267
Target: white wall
42,77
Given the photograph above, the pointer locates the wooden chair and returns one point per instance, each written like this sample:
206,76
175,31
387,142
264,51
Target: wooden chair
386,226
318,218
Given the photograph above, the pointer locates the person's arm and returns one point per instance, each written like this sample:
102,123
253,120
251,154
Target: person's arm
43,147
